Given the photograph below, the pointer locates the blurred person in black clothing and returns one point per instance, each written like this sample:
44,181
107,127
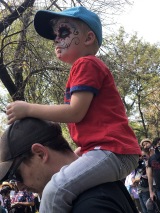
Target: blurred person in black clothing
153,171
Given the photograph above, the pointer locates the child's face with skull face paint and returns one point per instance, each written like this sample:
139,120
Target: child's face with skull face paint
69,40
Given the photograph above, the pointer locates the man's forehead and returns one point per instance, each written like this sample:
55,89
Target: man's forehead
146,142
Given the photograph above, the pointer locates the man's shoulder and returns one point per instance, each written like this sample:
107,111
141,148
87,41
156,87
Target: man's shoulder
153,157
108,197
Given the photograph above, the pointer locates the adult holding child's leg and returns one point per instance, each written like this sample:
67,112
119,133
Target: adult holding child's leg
90,89
42,154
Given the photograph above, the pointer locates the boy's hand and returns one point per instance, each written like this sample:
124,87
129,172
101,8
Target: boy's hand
16,110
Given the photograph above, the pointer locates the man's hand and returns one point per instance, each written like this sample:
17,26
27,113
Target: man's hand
16,204
152,195
17,110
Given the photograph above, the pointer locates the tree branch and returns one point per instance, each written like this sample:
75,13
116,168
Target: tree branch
7,21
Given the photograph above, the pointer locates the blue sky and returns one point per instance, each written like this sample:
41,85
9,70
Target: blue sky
143,17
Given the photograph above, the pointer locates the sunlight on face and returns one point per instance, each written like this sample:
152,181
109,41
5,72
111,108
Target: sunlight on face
32,176
146,144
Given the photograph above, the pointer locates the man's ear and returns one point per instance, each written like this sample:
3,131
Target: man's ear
90,38
40,151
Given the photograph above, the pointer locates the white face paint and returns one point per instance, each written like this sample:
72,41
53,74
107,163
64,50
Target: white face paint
66,33
68,40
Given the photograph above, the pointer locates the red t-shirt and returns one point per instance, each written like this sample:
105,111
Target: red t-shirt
105,125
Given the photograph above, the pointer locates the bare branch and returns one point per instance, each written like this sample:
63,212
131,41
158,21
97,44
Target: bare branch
6,6
7,21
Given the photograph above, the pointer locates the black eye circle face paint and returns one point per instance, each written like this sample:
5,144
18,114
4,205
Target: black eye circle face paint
64,32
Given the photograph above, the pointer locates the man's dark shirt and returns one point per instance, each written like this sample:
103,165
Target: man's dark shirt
105,198
154,163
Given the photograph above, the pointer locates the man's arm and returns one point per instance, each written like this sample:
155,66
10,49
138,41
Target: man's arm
23,204
150,182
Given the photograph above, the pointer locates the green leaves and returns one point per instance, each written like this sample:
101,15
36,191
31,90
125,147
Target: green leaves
135,65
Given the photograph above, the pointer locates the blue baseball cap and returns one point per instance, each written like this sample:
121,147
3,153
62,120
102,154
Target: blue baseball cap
43,27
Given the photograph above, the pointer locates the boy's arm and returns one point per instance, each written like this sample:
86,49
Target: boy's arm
64,113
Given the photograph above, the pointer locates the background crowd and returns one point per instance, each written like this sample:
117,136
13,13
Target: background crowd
143,183
13,200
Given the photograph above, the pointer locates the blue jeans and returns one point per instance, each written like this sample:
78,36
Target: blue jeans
158,194
92,168
143,197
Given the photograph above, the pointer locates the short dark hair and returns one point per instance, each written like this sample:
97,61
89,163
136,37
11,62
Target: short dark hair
58,143
5,190
19,137
155,141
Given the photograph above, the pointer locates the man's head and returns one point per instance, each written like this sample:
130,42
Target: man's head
146,143
28,148
6,183
156,145
156,142
6,187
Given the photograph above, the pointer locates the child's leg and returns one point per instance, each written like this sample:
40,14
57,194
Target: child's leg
93,168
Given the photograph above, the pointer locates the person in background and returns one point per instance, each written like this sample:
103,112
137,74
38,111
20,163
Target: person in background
93,109
146,146
13,191
153,171
42,154
140,179
1,199
132,189
35,208
5,192
128,183
2,209
146,154
146,143
22,200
